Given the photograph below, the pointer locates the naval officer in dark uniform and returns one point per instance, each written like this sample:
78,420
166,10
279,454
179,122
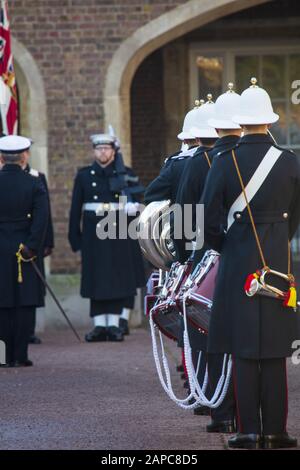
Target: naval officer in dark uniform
23,223
258,331
112,269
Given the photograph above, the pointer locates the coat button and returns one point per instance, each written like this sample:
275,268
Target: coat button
29,216
285,215
116,195
238,216
92,172
95,197
94,184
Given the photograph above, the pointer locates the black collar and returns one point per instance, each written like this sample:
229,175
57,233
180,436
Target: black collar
202,149
103,171
11,167
256,139
227,139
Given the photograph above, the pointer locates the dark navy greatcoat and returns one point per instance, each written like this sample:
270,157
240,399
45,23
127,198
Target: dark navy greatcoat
192,184
111,269
256,327
165,185
23,219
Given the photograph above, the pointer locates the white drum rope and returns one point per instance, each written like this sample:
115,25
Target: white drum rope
223,383
167,386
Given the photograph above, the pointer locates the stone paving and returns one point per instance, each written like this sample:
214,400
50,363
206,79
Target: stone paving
104,396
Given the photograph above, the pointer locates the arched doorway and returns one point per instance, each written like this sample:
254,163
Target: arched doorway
147,39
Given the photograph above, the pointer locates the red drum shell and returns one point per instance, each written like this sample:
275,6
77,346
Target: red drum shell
165,313
200,295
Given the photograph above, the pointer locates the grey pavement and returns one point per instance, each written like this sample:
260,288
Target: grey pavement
104,396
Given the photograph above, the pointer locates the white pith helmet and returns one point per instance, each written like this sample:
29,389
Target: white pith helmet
256,107
189,122
226,106
201,128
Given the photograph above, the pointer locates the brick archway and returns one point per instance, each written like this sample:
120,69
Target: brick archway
136,48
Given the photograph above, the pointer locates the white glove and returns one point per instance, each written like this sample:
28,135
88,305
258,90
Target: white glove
131,208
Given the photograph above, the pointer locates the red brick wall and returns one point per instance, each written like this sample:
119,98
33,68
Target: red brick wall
73,42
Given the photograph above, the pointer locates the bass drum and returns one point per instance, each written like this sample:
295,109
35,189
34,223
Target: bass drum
166,315
200,292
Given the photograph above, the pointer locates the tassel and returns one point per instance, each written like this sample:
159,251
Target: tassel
20,277
19,261
291,298
249,280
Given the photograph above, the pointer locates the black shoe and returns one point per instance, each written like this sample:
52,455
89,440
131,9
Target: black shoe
123,325
99,333
226,427
34,340
180,368
202,411
279,441
26,363
245,441
114,334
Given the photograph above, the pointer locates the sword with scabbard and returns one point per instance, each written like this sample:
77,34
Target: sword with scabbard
20,258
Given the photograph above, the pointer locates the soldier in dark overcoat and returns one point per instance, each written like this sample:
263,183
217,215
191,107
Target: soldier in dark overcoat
23,223
189,192
258,331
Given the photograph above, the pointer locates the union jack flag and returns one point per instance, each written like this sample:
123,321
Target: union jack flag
8,89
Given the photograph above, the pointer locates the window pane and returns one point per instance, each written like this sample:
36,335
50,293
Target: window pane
279,129
210,76
294,66
294,127
273,75
246,67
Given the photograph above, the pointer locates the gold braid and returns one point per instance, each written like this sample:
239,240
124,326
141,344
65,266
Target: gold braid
20,259
207,158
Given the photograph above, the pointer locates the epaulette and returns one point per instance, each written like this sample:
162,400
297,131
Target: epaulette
33,172
179,157
225,151
285,149
171,156
184,154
